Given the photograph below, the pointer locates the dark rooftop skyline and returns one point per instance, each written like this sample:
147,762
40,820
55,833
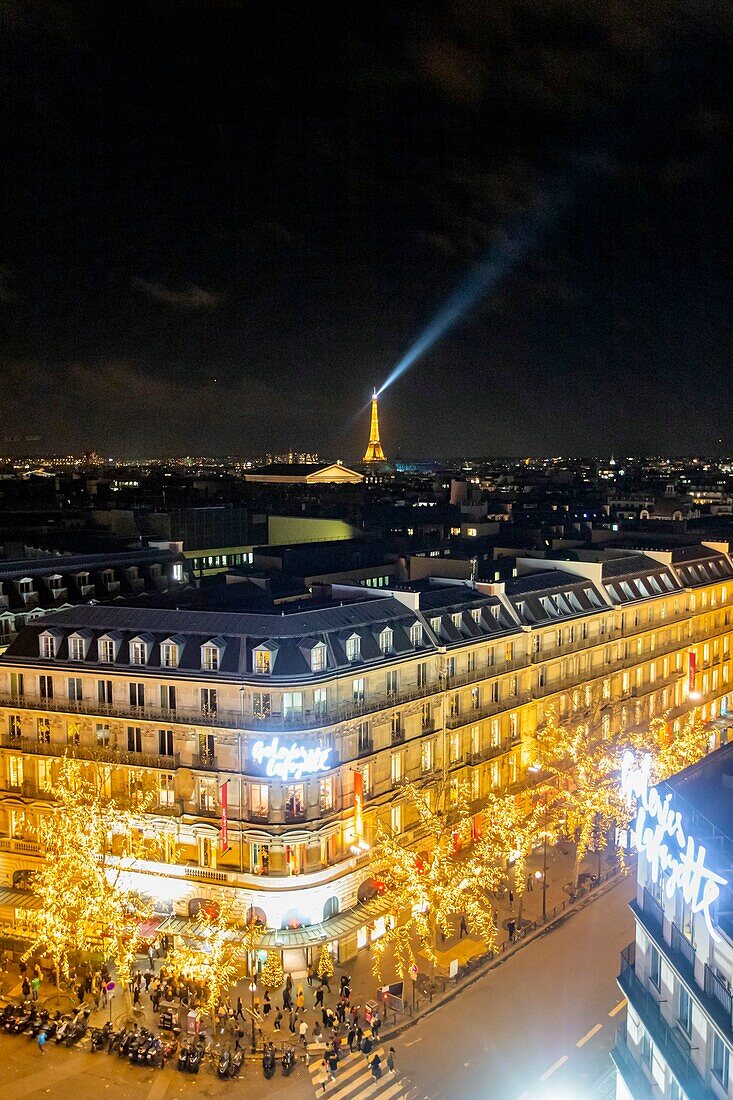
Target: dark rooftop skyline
226,222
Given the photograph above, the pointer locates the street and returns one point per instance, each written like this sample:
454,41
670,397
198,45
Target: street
526,1020
541,1025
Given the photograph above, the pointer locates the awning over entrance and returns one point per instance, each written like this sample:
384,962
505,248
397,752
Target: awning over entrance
336,928
18,899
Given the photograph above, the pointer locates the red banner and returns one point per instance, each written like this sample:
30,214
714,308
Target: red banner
691,673
358,804
224,834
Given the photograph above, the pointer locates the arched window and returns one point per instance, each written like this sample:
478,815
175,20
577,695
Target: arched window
331,908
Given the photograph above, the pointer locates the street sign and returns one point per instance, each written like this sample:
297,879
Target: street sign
110,986
413,972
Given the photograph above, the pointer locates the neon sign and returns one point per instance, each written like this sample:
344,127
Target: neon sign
290,761
658,824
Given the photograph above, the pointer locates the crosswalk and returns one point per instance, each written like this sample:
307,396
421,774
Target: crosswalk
354,1079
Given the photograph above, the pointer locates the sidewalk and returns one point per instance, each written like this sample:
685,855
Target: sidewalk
364,985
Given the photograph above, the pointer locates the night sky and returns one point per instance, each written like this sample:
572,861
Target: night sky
224,223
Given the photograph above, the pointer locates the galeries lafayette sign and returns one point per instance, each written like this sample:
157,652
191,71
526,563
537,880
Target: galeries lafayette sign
292,761
659,834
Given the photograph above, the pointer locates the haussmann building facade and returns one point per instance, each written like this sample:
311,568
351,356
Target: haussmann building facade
274,743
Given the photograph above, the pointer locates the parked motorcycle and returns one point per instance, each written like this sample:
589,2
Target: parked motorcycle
100,1037
236,1063
225,1060
79,1027
268,1061
288,1061
63,1027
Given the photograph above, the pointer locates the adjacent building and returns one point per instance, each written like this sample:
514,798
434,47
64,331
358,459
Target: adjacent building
677,974
273,744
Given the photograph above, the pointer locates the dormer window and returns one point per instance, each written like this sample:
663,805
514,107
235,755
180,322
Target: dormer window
353,648
107,648
262,661
210,658
386,640
476,615
169,654
76,649
138,653
416,634
457,620
48,645
435,627
318,658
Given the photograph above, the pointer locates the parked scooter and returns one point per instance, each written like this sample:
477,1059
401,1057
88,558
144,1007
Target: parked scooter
236,1063
40,1023
183,1055
63,1027
288,1061
79,1026
196,1054
100,1037
268,1061
22,1020
225,1061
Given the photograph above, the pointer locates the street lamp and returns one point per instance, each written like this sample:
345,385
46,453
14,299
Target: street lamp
252,991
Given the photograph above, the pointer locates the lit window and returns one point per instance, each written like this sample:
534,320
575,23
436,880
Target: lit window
169,655
427,756
107,650
263,662
396,819
397,767
48,646
137,653
210,662
353,648
318,658
76,649
386,639
416,634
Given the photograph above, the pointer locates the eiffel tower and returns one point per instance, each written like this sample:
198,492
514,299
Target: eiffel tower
374,452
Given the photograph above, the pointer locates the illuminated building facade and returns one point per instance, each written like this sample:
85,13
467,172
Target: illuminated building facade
677,975
258,733
374,452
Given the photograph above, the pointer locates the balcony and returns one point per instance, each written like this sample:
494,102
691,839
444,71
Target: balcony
204,761
475,714
676,1052
630,1071
102,754
365,747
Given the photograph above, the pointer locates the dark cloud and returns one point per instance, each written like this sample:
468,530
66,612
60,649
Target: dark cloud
284,200
193,297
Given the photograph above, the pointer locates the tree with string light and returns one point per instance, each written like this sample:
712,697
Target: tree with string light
430,887
214,951
85,899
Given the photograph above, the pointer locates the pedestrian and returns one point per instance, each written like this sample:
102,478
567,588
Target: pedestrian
22,966
80,992
464,926
333,1061
300,998
238,1036
390,1060
355,1015
151,956
359,1036
136,996
345,980
376,1067
41,1041
510,927
240,1009
325,983
324,1016
319,998
496,918
336,1044
289,983
530,884
291,1025
317,1031
278,1020
341,1012
26,987
303,1032
311,974
376,1024
350,1038
267,1006
35,986
511,899
287,1000
326,1074
366,1047
148,979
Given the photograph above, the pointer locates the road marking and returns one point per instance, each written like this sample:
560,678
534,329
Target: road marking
549,1072
618,1008
589,1035
413,1042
